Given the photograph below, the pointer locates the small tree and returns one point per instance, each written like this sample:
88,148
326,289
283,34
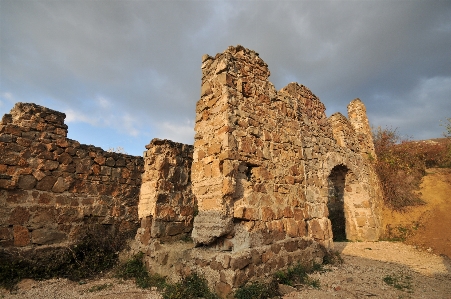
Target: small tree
399,169
447,125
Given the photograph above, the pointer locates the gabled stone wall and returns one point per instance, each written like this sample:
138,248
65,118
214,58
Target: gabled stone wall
50,186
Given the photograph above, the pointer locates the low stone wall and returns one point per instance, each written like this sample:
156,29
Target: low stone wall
226,270
50,186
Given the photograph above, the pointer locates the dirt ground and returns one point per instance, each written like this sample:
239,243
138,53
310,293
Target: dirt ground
427,226
418,268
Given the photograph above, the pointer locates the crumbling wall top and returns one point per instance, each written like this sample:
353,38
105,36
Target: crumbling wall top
36,117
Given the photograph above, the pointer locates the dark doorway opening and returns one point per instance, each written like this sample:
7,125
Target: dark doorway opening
335,202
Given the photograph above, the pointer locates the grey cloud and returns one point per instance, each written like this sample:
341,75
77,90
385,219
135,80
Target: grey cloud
145,55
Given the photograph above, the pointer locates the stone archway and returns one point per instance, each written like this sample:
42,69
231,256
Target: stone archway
335,201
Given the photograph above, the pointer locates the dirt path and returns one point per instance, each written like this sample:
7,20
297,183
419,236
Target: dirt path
419,274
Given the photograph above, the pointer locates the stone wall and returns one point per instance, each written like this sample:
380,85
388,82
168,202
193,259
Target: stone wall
166,203
276,181
262,158
270,180
50,186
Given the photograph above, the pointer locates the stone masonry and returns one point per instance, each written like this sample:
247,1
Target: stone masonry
270,180
167,204
275,181
50,186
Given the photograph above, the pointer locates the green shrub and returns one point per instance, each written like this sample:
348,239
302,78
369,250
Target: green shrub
401,164
332,258
192,286
99,287
400,282
296,274
258,290
96,251
135,269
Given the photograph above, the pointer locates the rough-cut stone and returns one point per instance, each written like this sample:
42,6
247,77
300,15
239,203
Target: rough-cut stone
166,195
27,182
275,180
51,184
269,181
21,236
47,237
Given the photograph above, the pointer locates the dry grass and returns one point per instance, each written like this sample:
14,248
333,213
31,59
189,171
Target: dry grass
402,163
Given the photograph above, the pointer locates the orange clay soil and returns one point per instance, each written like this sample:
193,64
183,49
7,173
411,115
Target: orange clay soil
427,226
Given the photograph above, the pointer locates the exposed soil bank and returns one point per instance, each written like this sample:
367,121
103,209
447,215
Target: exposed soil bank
427,226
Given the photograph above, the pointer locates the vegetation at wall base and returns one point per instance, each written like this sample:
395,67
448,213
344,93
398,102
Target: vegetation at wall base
402,163
292,276
192,286
258,290
135,269
332,257
96,251
400,282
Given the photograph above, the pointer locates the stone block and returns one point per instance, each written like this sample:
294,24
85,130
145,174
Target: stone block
46,198
27,182
267,214
19,215
291,246
216,266
267,256
83,166
361,221
61,185
251,214
315,229
209,225
5,233
292,227
46,183
175,228
43,217
214,149
228,186
64,158
223,289
21,236
47,236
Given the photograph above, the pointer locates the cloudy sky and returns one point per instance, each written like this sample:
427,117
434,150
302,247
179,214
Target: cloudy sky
127,71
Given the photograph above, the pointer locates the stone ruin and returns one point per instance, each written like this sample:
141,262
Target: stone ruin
52,186
273,180
270,180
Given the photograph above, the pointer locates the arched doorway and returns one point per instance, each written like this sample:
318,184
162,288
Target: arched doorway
335,203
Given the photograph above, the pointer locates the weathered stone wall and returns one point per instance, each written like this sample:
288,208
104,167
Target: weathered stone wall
166,204
50,186
276,180
359,121
262,159
248,136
